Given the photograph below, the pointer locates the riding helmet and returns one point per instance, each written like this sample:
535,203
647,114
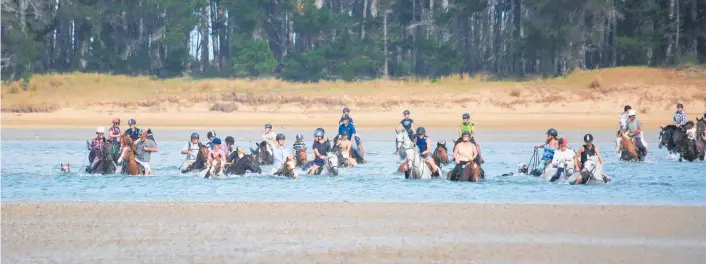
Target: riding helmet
299,136
321,129
230,140
627,107
552,132
195,135
216,141
268,126
588,138
406,112
421,131
280,136
466,116
319,133
100,130
131,122
632,112
466,132
210,134
563,142
345,117
116,120
680,106
346,110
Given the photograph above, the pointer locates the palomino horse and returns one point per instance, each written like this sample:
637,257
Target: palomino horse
414,166
288,168
262,154
130,166
345,154
331,166
468,172
441,154
301,157
628,148
243,165
670,137
200,162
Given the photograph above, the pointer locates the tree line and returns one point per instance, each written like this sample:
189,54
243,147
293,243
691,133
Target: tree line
309,40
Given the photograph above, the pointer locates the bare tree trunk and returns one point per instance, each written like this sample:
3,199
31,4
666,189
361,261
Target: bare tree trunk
362,23
214,35
204,38
697,29
677,28
385,72
670,45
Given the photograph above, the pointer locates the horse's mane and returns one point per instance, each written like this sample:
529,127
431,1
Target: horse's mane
671,127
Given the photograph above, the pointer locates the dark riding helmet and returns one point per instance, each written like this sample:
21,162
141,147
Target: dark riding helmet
195,135
299,136
627,107
319,133
466,132
211,134
466,116
268,126
421,131
345,117
216,141
320,129
131,122
406,112
280,136
588,138
680,106
346,110
230,140
552,132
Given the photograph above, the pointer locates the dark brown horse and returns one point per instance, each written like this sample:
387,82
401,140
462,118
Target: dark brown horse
469,172
441,154
200,162
130,167
262,154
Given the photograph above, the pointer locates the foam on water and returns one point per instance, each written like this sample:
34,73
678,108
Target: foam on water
30,171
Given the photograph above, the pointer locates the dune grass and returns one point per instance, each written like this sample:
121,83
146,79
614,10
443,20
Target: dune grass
49,92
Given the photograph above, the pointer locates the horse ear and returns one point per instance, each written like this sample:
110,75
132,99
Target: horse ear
660,127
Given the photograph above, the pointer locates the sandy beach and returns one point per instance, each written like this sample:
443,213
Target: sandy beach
272,232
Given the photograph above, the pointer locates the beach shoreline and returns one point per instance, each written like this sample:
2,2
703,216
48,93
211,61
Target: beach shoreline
267,232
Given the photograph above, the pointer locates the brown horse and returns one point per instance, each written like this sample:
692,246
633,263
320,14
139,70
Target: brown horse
128,156
471,172
288,168
301,157
628,147
441,154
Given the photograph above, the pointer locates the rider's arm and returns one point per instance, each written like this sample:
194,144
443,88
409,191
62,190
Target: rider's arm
456,153
578,154
428,147
474,153
150,146
185,150
639,129
598,153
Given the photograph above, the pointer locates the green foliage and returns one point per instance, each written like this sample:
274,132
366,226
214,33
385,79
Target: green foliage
253,59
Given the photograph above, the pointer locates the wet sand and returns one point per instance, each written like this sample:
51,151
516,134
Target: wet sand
272,232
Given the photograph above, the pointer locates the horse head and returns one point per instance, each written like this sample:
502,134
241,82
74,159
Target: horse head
332,164
301,157
251,164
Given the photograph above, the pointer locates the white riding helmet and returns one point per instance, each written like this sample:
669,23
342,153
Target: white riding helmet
100,130
631,112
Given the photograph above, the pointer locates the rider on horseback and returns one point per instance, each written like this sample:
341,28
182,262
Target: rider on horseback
349,128
468,126
321,148
407,124
279,154
680,116
216,157
464,153
114,131
634,128
587,151
96,148
133,131
421,140
191,150
550,145
269,137
211,135
563,159
143,150
346,112
299,145
228,147
345,145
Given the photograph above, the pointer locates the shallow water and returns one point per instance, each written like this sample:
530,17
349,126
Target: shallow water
30,171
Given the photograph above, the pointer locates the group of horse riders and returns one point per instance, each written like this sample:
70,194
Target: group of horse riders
143,145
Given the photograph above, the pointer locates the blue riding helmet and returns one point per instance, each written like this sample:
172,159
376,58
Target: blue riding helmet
406,112
319,133
680,106
299,136
346,110
465,132
268,126
131,122
216,141
279,136
195,135
466,116
421,131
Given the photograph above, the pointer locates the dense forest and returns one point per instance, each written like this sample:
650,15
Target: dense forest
309,40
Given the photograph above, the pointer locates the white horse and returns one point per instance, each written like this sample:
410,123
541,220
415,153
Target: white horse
552,168
416,167
593,169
